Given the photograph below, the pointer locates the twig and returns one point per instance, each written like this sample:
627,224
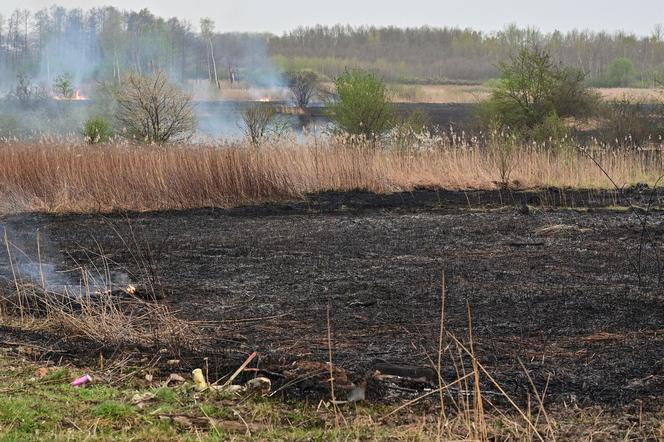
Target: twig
427,394
497,385
331,366
240,370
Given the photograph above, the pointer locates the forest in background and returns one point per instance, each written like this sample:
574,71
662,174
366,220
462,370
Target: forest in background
106,43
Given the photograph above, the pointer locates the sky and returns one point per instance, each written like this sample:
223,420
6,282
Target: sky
277,16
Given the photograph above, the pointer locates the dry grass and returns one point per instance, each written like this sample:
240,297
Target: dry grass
78,178
442,94
90,306
635,94
202,90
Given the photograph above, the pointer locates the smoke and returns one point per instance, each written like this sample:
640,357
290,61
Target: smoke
28,256
69,55
103,45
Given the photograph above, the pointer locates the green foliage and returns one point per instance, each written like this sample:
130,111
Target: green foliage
492,83
534,93
63,86
552,132
621,73
362,106
97,130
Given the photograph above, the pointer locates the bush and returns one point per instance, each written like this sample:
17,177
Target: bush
361,106
620,73
153,110
632,123
303,86
552,132
97,130
26,93
63,85
408,131
532,88
258,119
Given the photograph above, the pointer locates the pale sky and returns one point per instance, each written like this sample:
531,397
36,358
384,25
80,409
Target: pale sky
638,16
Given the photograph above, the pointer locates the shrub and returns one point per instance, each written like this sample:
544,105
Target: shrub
97,130
361,106
303,86
632,123
552,132
532,88
261,121
153,110
620,73
407,131
63,85
27,94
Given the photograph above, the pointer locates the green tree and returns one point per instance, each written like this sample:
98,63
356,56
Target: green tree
620,73
361,106
532,89
63,86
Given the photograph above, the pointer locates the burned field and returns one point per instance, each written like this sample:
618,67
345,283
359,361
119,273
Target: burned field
571,294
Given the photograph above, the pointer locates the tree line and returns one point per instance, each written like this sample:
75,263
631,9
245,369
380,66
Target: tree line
108,43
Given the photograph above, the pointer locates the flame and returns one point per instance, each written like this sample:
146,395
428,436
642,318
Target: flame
265,99
131,289
78,96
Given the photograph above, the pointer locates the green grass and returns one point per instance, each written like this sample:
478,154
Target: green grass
47,408
36,408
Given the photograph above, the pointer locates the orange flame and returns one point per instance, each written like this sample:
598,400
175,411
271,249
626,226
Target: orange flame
78,96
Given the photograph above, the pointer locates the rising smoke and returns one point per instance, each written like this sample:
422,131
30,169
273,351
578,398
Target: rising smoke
103,45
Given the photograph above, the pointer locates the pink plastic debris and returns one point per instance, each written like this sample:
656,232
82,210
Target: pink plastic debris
81,381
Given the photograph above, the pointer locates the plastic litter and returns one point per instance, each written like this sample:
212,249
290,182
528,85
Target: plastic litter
81,381
199,380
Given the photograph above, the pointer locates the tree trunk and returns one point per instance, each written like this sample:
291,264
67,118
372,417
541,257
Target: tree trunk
214,65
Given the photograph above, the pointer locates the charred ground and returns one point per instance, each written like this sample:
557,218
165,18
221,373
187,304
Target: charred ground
561,289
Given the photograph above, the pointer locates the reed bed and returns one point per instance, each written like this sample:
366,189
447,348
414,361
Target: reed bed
61,176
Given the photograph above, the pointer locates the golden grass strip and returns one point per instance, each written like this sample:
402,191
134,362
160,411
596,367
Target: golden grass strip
59,177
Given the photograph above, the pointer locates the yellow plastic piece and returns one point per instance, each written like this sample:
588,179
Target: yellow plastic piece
199,380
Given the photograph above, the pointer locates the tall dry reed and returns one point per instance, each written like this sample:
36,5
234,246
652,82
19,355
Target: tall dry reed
63,177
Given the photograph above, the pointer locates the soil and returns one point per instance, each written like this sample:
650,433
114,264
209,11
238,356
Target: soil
567,287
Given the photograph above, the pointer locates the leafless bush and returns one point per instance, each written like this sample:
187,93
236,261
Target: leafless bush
633,123
153,110
303,86
260,121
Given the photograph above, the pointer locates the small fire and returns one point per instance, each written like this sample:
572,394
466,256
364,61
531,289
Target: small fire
78,96
265,99
131,289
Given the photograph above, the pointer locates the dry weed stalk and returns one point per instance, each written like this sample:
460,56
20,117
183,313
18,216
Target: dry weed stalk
59,177
94,312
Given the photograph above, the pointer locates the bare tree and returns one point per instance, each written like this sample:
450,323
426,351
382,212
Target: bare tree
154,110
258,121
207,30
303,86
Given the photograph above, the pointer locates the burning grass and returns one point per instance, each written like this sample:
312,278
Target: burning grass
64,177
